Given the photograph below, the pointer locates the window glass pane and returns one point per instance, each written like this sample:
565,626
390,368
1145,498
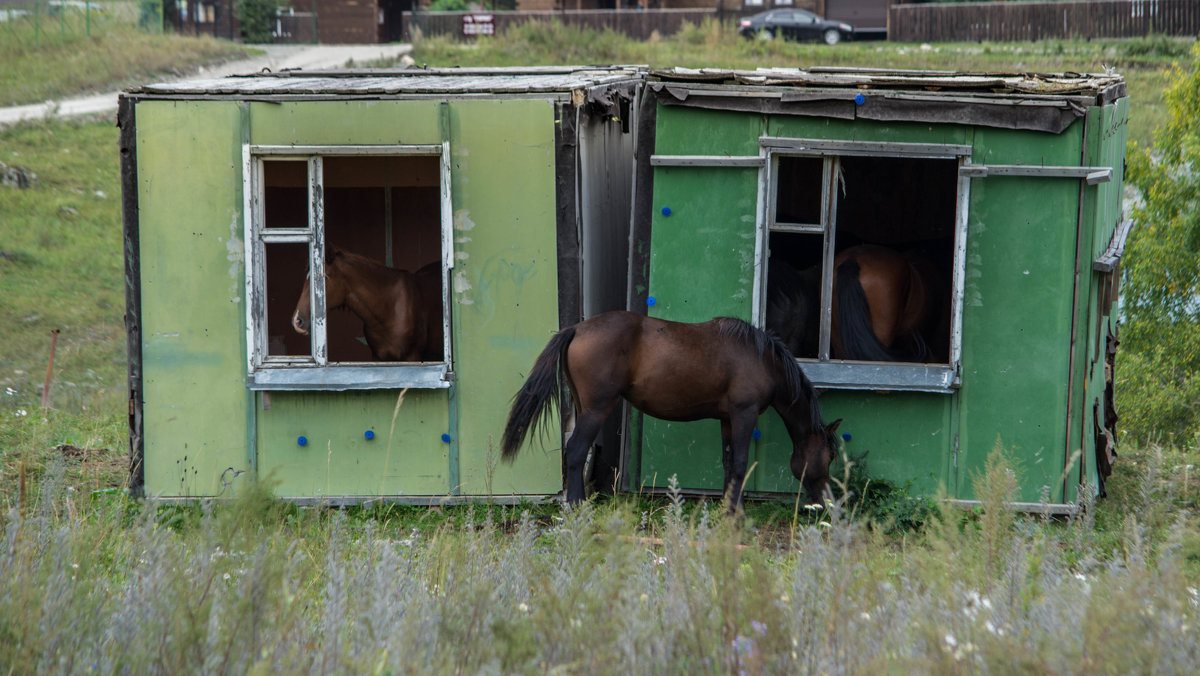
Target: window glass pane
794,291
285,193
287,270
798,190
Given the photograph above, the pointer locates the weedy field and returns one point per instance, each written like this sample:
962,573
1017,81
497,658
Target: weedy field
880,581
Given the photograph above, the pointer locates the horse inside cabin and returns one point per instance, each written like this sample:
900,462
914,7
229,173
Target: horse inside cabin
401,311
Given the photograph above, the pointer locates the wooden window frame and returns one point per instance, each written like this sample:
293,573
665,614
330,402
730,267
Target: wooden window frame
315,371
845,374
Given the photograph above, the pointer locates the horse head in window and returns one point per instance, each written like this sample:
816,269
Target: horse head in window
401,311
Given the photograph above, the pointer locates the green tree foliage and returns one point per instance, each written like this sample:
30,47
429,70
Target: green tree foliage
257,18
1160,359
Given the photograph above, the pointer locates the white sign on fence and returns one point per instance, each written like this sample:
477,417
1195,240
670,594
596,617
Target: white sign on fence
478,24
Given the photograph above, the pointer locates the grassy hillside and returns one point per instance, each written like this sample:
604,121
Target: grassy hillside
53,60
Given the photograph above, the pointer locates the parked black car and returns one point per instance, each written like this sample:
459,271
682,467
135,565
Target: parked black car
795,24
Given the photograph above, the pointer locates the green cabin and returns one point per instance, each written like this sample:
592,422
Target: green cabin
1009,186
512,185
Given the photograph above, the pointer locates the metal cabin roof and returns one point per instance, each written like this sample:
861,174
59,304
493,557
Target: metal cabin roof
1046,102
369,83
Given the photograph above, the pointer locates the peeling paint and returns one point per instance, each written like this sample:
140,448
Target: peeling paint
235,253
462,221
461,284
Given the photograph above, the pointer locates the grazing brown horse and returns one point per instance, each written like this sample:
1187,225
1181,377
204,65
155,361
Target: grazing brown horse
724,369
888,307
401,311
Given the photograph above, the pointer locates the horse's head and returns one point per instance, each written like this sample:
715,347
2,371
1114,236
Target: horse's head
335,293
811,458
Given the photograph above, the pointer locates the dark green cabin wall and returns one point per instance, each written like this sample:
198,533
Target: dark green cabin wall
1016,324
1017,312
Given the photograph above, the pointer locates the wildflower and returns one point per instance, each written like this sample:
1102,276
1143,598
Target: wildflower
759,627
784,598
644,597
10,391
660,561
226,576
865,617
523,607
21,413
814,508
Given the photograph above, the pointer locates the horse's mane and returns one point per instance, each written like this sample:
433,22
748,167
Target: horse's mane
794,379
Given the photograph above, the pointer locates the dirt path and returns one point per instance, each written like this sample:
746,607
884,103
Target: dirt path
276,57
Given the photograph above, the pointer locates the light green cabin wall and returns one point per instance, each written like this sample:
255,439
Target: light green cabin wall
196,407
504,289
1017,310
505,284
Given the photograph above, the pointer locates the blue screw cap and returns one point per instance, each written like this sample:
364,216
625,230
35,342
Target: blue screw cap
446,438
303,441
846,436
666,211
369,434
757,434
651,301
859,99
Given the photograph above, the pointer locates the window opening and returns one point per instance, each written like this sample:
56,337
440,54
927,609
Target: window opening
371,227
839,223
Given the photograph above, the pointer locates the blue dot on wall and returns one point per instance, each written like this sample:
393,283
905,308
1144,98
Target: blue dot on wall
369,434
303,441
446,438
651,301
859,99
757,434
666,211
846,436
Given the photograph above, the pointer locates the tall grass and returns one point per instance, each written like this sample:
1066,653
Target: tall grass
94,582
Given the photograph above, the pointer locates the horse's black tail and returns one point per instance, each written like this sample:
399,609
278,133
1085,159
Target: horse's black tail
854,318
543,386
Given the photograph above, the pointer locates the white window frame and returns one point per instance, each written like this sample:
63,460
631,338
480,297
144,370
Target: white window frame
315,372
845,374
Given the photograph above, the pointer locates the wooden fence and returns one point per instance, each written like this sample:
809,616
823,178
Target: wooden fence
638,25
1026,21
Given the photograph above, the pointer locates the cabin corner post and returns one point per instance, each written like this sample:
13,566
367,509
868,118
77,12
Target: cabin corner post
640,220
1076,363
126,122
566,197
